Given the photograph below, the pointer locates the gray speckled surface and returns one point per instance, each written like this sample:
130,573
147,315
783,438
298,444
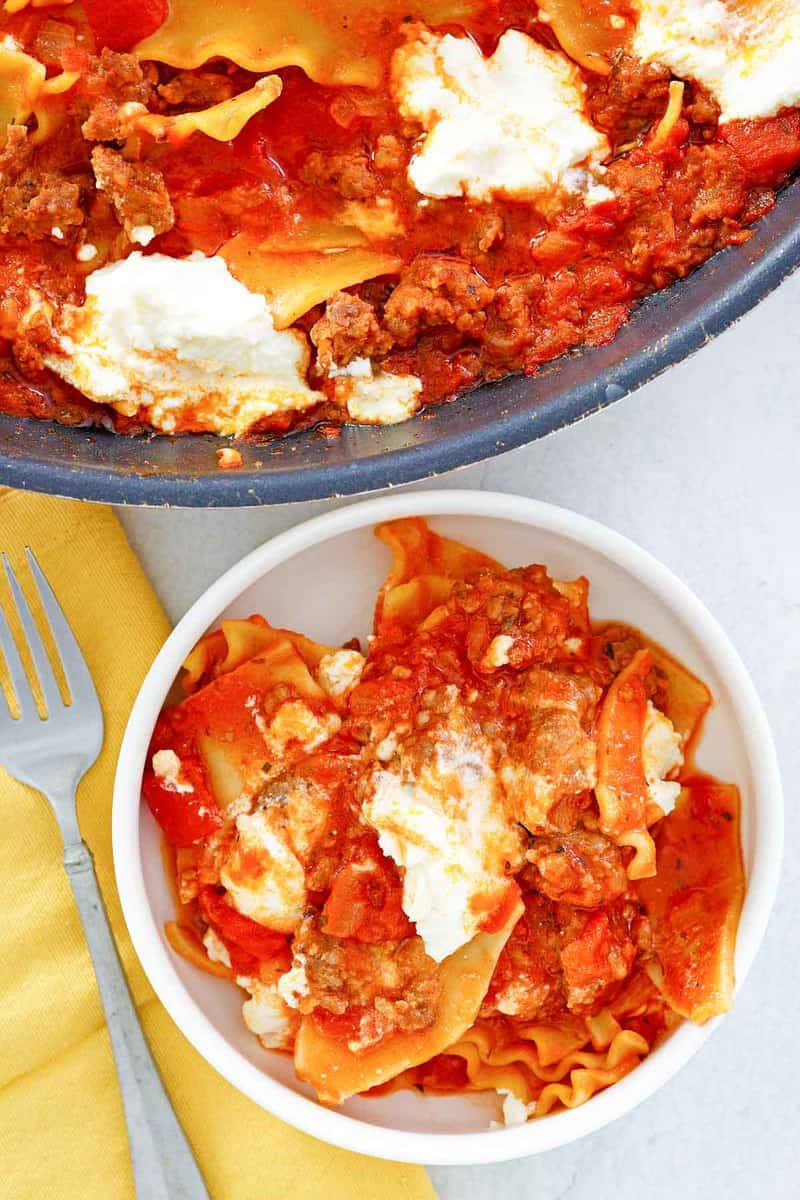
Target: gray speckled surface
702,468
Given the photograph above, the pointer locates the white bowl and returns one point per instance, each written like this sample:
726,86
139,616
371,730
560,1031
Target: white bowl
321,578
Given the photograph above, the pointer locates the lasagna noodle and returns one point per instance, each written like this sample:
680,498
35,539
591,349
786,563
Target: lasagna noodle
185,941
585,32
695,900
333,41
337,1072
687,699
25,92
565,1061
621,788
424,568
236,642
542,1065
295,281
232,718
517,1066
222,122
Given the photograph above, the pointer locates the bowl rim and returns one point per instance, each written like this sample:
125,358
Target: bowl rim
306,1114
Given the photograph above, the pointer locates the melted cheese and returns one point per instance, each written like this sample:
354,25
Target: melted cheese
167,767
746,52
294,721
339,672
441,820
180,339
513,124
215,948
266,1015
264,878
376,397
661,754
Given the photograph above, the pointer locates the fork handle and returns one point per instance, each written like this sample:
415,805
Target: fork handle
164,1167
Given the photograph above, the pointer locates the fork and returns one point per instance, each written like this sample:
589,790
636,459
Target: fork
52,754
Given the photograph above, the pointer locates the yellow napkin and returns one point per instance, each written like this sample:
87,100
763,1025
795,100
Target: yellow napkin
61,1127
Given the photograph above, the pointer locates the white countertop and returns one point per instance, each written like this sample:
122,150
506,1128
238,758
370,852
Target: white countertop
702,467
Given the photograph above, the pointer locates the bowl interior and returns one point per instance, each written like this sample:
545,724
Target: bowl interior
328,591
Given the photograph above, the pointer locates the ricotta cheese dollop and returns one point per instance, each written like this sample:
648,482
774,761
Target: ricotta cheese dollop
439,816
339,672
373,396
182,340
514,123
746,52
266,1015
661,754
262,874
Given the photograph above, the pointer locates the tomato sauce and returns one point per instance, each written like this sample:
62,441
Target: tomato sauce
484,289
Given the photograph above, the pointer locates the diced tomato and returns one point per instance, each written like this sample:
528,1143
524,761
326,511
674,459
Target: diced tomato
767,149
365,900
383,698
120,24
185,816
247,942
529,966
340,1027
599,954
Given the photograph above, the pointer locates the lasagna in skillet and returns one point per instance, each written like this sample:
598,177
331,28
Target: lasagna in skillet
244,218
477,858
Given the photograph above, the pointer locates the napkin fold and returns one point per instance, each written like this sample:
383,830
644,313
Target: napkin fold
62,1133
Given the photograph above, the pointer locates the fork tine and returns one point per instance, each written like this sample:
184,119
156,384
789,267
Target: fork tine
41,663
25,700
82,689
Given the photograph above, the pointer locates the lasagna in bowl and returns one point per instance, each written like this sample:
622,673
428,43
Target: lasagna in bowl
249,218
477,858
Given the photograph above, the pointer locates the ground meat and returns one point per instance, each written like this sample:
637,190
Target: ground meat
112,82
391,154
436,290
584,869
349,329
701,109
553,761
33,201
196,89
629,100
522,604
510,319
397,979
527,982
597,953
715,184
679,217
136,190
351,175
